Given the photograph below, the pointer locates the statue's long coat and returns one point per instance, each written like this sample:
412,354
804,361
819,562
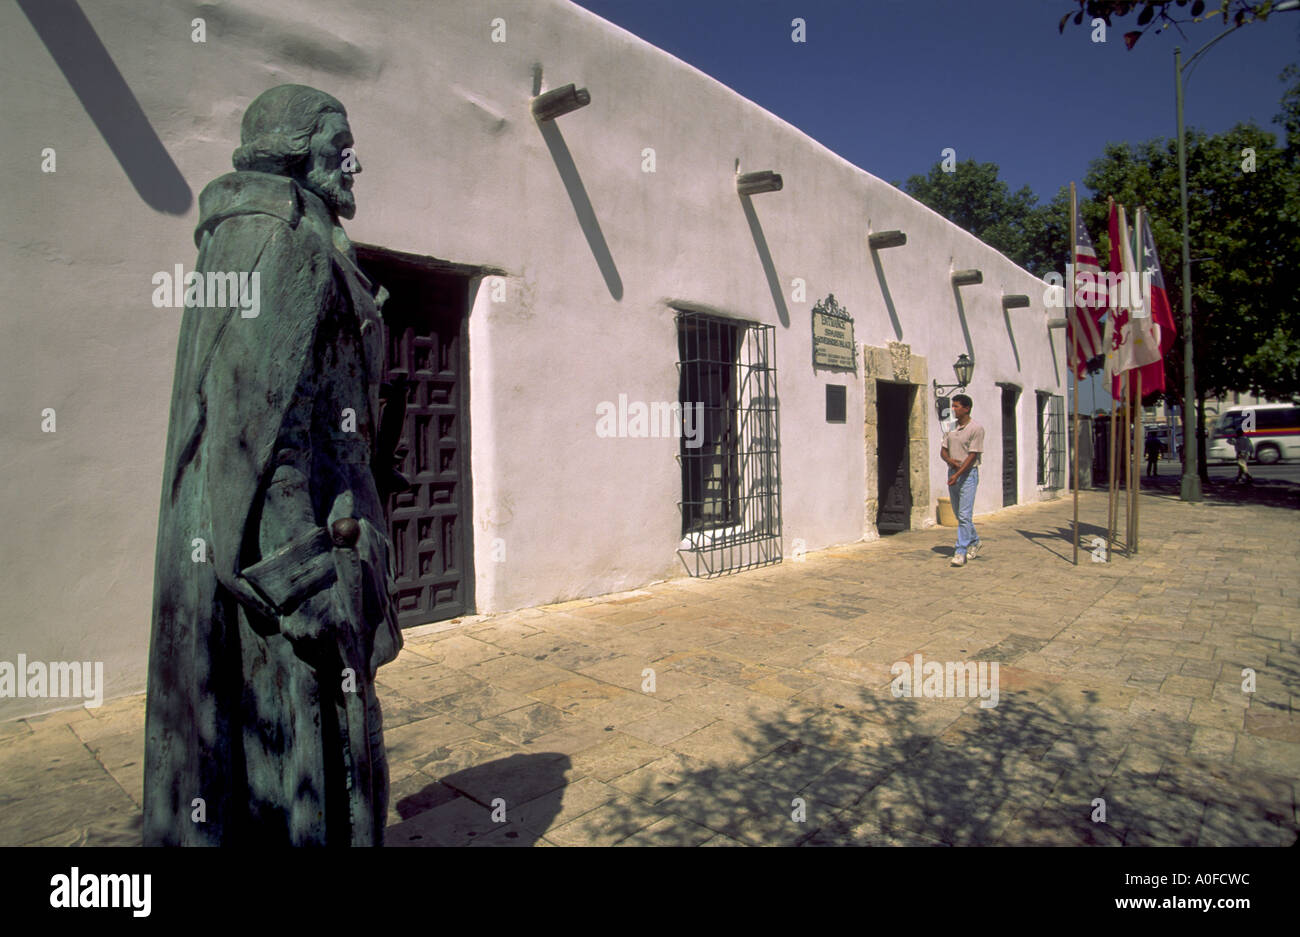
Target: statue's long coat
243,741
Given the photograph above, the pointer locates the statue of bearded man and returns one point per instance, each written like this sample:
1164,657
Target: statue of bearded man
273,592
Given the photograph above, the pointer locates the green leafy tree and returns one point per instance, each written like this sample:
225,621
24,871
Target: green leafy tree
1244,232
1244,235
1277,359
974,198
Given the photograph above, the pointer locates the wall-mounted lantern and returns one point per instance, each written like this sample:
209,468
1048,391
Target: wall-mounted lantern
559,102
964,368
967,277
752,183
883,239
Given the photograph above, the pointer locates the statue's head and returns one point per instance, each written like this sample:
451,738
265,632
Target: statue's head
296,131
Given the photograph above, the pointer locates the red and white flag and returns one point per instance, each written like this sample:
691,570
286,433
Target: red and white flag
1086,299
1157,301
1134,338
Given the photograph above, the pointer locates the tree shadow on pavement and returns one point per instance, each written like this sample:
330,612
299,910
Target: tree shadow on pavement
1038,769
1278,685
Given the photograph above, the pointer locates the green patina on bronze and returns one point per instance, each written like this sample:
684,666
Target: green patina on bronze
272,601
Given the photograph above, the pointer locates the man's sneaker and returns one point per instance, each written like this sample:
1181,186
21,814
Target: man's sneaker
959,559
973,550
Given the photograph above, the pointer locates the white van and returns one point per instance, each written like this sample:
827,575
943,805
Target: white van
1275,436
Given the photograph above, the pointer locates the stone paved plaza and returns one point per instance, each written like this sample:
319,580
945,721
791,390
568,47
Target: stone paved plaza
771,720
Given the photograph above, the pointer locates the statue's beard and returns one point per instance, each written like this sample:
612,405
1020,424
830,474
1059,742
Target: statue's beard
329,186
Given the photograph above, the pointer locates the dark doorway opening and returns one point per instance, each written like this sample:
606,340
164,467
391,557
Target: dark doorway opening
430,524
1010,490
893,407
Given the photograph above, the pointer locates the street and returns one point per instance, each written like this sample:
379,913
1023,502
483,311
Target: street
1227,471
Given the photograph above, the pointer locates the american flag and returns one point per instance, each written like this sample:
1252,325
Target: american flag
1090,312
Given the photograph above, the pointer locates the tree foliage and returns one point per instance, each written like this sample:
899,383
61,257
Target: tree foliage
1161,14
1242,225
1243,189
974,198
1244,233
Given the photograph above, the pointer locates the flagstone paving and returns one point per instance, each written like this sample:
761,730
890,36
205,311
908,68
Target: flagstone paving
756,709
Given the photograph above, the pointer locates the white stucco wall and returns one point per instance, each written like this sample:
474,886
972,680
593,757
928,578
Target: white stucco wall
456,168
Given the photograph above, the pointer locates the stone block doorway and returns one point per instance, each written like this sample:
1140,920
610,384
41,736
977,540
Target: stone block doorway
893,488
896,410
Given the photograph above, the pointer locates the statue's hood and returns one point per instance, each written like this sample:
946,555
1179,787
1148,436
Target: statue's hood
248,193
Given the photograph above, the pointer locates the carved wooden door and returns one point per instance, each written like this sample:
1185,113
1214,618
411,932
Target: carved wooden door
429,523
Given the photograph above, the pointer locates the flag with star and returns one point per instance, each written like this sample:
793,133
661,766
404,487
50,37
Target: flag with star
1157,301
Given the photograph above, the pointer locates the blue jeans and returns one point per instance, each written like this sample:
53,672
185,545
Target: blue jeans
962,496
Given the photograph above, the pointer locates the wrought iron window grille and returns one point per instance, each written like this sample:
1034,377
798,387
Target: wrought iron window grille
731,487
1051,440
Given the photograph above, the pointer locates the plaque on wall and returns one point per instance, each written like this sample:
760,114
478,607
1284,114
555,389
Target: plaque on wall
832,335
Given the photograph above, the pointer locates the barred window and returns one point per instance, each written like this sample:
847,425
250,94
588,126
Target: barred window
731,501
1051,440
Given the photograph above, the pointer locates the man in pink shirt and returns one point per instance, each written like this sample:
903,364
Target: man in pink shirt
961,450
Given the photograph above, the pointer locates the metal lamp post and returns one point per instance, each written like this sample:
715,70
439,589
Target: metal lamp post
1191,481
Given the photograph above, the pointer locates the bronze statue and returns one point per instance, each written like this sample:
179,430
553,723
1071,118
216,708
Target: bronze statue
272,598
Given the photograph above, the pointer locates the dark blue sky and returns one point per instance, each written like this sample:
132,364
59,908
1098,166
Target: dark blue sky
889,83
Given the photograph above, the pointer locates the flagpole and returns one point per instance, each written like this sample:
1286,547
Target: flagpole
1139,438
1139,432
1112,481
1126,362
1121,461
1074,361
1112,455
1128,464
